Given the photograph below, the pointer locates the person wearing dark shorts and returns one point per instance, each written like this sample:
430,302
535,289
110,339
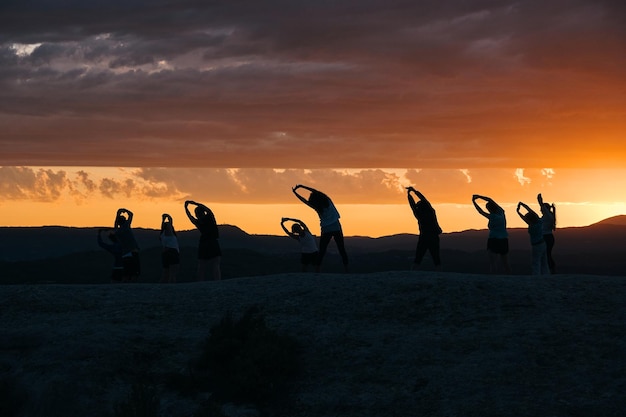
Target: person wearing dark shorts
428,240
498,246
209,251
170,255
498,241
308,247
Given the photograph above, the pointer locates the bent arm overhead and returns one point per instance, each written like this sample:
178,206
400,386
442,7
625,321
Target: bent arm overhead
191,217
479,208
295,191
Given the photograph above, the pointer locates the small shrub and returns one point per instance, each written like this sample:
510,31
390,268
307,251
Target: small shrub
246,362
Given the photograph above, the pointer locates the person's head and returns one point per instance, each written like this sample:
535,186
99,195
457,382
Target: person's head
200,213
318,200
297,229
531,217
491,207
121,220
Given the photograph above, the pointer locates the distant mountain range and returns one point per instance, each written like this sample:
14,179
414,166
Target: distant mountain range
596,249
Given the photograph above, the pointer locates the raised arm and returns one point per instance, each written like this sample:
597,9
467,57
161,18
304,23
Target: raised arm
191,217
419,195
540,200
287,231
130,216
295,191
479,208
301,223
166,219
526,207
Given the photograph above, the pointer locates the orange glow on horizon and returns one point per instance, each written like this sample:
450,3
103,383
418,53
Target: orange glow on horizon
356,219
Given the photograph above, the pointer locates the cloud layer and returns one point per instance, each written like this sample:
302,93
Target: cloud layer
270,186
313,84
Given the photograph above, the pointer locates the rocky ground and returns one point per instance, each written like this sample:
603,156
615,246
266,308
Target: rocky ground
384,344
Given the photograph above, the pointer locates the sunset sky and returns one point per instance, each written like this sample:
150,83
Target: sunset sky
143,104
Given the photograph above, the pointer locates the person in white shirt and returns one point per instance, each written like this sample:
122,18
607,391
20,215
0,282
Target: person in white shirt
308,247
329,222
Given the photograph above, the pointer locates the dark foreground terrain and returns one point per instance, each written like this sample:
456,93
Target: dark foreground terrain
380,344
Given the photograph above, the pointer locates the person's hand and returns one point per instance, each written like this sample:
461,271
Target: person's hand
475,196
284,219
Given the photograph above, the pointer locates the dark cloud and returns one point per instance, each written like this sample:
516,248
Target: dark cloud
312,84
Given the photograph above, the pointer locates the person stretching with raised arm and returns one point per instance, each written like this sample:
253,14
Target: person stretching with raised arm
329,222
428,226
498,241
538,244
548,216
308,247
209,251
170,253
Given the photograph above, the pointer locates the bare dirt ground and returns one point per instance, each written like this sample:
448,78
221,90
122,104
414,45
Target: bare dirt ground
385,344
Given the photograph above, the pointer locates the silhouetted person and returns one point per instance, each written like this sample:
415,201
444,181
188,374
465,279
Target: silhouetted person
535,231
428,226
130,248
548,216
115,249
209,251
308,247
498,241
329,222
170,253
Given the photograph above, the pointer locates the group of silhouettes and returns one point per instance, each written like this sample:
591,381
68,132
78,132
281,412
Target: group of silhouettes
124,247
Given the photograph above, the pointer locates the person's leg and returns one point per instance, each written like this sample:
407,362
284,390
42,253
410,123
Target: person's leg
549,238
173,275
544,266
216,272
342,248
202,267
324,240
420,251
165,274
506,265
493,262
536,259
434,250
